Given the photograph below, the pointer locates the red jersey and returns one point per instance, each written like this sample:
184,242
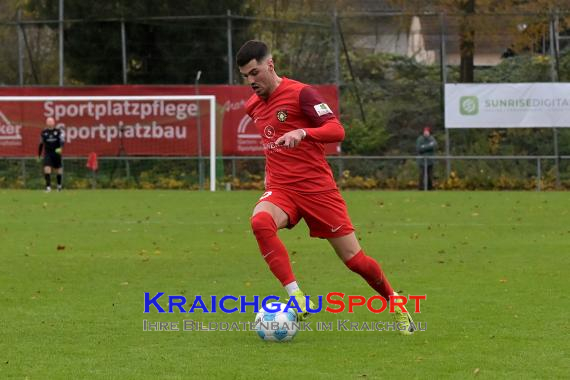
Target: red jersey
295,105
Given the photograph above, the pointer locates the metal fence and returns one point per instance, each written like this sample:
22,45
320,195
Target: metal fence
316,47
351,172
313,47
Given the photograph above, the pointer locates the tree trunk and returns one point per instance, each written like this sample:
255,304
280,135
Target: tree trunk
467,42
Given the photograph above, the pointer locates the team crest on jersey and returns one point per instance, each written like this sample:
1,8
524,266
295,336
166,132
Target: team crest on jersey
282,115
269,131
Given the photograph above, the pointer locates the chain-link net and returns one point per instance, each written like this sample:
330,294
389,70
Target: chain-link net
243,173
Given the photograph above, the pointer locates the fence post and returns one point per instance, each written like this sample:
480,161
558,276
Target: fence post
61,63
538,174
556,158
20,49
128,169
553,33
443,74
336,47
425,174
24,172
199,130
230,48
124,50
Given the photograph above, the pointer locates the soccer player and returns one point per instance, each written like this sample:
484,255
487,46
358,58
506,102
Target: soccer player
51,142
295,123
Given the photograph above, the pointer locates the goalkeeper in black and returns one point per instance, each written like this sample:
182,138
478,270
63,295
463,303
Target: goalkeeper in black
51,142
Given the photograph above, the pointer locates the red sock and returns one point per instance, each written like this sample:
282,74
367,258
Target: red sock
272,249
370,270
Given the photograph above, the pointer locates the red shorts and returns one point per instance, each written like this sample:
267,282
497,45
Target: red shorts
325,213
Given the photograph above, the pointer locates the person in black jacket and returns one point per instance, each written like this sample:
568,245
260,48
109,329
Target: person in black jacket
425,147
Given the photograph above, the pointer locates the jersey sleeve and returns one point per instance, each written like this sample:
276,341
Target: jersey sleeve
314,107
326,127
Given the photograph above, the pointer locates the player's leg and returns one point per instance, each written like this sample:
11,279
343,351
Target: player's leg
267,218
327,217
348,249
58,165
59,178
47,177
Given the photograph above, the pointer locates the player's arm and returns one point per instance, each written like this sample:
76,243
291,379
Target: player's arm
329,132
433,143
326,127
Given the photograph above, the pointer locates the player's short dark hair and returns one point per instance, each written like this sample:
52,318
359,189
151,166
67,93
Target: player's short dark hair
252,49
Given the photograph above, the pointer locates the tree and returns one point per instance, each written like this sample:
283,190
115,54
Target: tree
400,95
481,18
9,42
158,51
300,36
467,42
38,46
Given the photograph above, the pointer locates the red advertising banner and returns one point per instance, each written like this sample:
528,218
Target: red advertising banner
156,127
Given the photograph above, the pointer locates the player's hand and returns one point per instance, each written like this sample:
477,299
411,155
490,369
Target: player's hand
58,150
291,139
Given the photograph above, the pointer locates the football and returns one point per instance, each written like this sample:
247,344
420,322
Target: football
276,326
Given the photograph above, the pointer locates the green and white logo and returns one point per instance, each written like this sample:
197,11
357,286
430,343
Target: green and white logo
469,105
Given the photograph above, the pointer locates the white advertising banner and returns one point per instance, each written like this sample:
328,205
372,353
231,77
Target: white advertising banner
507,105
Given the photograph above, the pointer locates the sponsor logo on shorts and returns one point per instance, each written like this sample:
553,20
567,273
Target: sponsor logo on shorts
337,228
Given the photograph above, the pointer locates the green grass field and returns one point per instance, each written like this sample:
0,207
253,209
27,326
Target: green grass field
75,266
